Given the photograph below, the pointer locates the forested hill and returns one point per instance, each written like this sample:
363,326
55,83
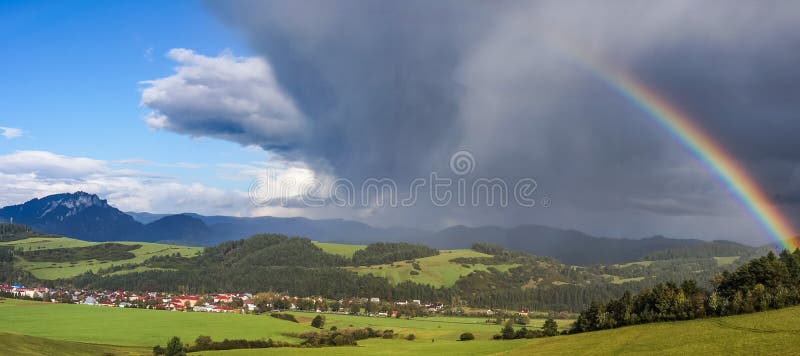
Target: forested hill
484,276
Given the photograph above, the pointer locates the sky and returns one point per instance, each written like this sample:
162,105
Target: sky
247,107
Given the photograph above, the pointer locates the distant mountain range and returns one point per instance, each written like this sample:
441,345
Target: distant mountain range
85,216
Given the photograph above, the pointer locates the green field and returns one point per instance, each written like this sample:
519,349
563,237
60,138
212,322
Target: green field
639,263
145,328
339,249
55,270
436,270
618,280
133,327
24,345
726,261
86,330
768,333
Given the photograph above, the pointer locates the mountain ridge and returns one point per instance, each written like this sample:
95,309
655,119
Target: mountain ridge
86,216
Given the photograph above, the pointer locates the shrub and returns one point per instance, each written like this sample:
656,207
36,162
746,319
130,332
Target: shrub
468,336
411,337
284,316
175,347
388,334
318,322
158,350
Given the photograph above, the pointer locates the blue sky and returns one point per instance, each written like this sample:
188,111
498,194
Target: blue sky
71,73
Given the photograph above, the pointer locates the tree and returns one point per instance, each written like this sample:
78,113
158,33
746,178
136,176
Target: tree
521,319
158,350
508,330
175,347
318,322
203,343
550,327
466,336
355,308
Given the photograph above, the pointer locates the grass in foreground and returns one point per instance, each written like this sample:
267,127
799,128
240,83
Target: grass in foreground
435,270
768,333
86,329
24,345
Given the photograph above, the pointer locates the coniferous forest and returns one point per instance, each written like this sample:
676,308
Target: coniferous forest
769,282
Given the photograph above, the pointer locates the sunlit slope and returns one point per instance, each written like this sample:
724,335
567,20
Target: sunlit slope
66,269
436,270
24,345
768,333
339,249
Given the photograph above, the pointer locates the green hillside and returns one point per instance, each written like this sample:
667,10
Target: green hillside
86,330
54,269
767,333
436,270
24,345
339,249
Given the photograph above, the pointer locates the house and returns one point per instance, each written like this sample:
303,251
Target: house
223,298
204,308
90,300
375,300
222,309
416,301
26,292
188,300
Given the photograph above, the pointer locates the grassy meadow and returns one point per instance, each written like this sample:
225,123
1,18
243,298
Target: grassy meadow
55,270
34,328
339,249
435,270
133,327
24,345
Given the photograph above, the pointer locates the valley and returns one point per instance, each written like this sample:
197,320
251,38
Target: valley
56,327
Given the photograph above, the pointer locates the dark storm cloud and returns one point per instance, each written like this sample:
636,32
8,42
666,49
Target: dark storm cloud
391,89
375,78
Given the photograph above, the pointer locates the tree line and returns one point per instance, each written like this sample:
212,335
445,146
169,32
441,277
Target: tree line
381,253
768,282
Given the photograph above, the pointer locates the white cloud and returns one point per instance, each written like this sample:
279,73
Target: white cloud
28,174
227,97
46,165
10,132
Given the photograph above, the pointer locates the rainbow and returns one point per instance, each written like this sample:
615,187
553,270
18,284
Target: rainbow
702,145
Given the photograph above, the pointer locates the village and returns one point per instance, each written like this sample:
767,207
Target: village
244,303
